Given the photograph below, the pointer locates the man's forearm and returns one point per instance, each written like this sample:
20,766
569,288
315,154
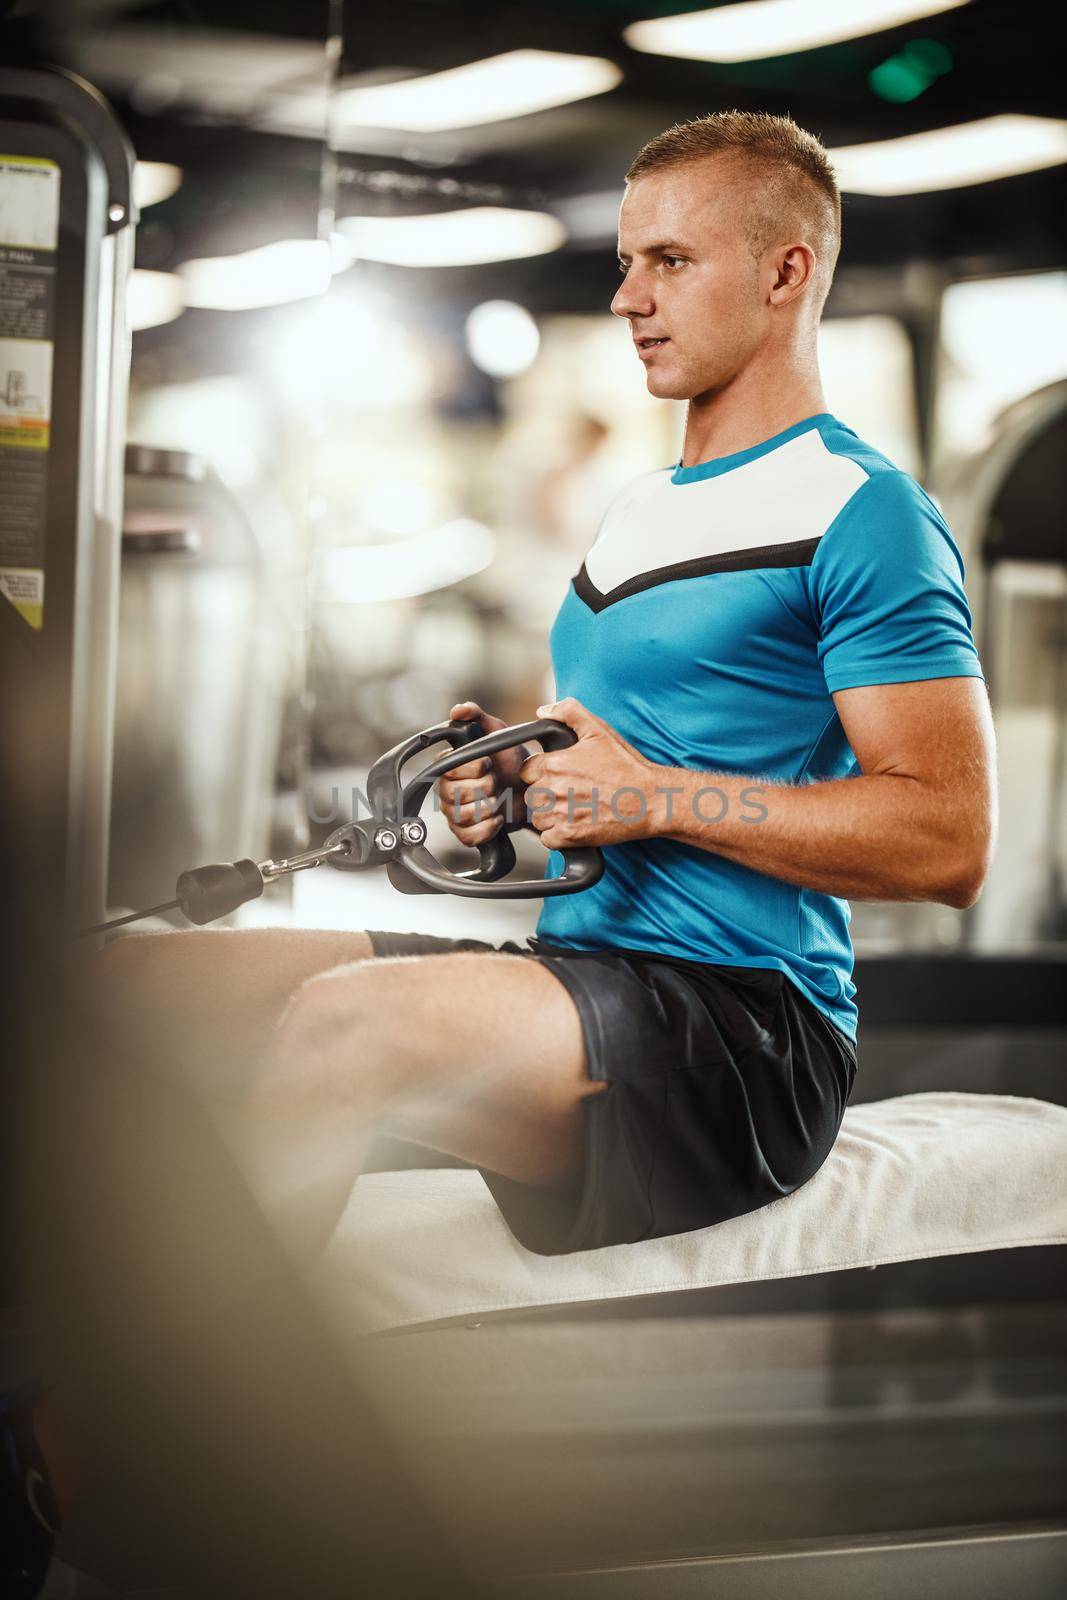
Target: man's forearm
872,837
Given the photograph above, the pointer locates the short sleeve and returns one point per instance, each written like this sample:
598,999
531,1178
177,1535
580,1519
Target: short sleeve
887,591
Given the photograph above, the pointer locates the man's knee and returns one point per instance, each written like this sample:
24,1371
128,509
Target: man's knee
332,1042
120,955
138,967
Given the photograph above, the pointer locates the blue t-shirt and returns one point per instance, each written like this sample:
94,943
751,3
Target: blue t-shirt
718,608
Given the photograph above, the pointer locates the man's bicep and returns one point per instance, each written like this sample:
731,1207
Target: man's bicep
937,730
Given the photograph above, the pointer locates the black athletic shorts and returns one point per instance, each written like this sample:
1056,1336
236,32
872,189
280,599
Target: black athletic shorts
727,1091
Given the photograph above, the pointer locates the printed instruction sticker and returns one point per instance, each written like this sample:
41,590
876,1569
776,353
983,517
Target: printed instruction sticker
29,236
29,202
25,392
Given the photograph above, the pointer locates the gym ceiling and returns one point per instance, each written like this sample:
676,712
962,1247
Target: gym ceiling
222,88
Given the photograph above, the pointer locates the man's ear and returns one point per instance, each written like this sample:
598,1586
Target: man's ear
795,267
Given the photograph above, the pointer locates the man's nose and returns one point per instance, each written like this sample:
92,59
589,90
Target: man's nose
633,297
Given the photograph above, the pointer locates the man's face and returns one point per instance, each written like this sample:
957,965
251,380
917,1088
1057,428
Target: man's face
690,278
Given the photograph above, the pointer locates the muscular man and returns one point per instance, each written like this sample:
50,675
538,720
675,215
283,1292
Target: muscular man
767,657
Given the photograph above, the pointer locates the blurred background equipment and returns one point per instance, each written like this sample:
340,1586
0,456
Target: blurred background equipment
66,243
1017,502
198,712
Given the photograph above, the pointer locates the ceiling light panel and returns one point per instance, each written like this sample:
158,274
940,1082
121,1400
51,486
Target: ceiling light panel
756,29
153,182
464,238
951,158
153,298
494,90
273,275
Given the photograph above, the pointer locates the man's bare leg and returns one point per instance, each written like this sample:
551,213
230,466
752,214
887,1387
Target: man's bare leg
480,1056
154,1222
213,996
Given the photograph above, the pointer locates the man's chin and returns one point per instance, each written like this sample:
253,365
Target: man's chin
662,386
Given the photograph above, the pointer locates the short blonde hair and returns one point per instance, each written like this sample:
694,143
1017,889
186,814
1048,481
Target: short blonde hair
793,180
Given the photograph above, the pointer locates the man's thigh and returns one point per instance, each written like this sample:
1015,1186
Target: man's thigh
481,1056
497,1066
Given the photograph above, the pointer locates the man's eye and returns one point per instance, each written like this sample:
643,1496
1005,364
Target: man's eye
622,266
678,260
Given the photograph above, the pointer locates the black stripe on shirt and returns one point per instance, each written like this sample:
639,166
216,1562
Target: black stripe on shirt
797,554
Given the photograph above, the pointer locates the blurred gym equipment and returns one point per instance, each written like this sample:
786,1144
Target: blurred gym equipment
67,170
1016,518
198,709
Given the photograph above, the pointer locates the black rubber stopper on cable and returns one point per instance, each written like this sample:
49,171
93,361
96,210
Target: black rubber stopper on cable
209,892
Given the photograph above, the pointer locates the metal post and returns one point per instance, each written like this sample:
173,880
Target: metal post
66,248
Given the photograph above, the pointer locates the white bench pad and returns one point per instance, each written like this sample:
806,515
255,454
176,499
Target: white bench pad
916,1176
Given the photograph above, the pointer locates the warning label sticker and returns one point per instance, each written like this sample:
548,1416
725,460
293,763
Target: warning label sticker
29,234
24,587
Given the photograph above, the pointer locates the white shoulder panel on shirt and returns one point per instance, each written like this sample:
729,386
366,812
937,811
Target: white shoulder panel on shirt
790,495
